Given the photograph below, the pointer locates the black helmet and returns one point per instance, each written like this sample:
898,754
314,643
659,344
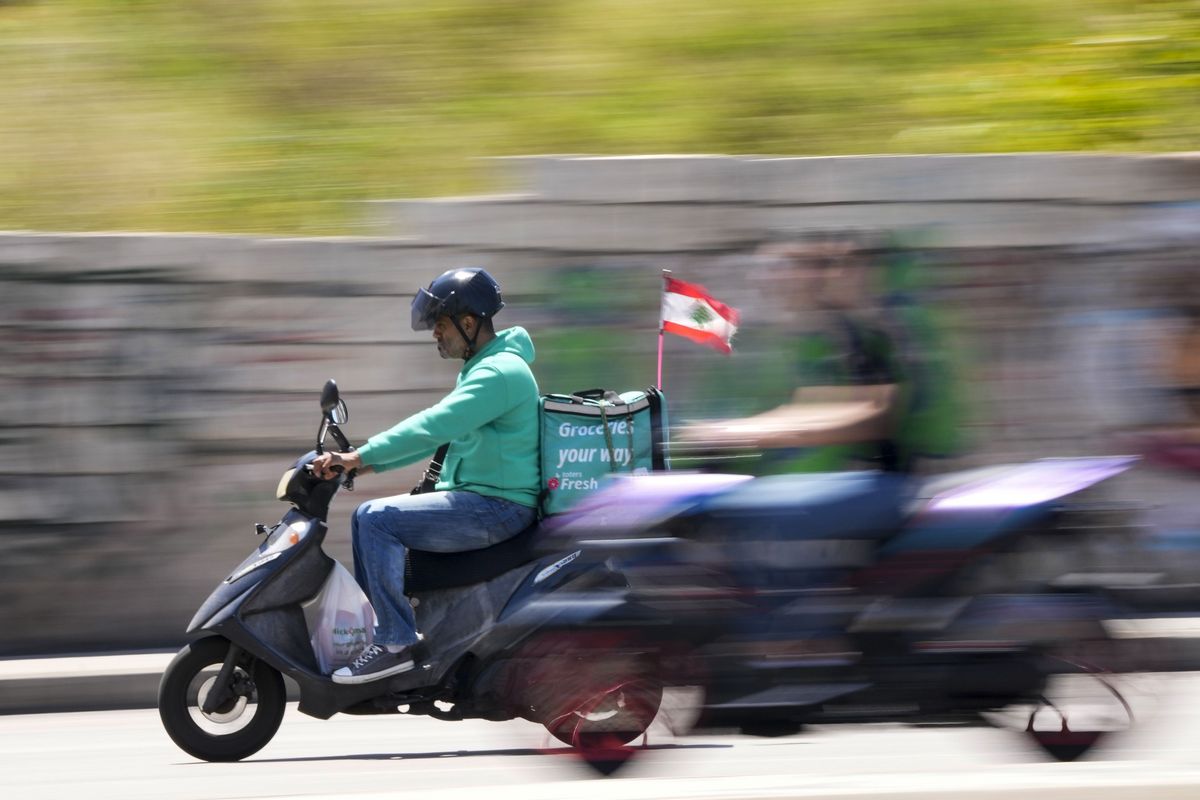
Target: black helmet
454,293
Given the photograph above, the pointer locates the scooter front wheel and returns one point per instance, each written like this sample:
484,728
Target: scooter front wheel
241,725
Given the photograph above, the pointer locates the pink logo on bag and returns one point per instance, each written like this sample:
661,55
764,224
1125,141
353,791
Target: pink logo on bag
552,484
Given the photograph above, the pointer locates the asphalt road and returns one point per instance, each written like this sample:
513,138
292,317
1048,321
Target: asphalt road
126,755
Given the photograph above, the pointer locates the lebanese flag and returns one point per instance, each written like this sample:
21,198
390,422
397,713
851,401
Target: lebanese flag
689,310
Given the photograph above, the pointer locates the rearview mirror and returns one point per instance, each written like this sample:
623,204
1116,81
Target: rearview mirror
329,396
333,407
339,414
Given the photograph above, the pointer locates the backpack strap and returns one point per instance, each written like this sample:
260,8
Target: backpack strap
599,394
612,457
658,431
432,472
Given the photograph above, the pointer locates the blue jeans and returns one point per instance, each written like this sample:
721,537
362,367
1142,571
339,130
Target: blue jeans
439,522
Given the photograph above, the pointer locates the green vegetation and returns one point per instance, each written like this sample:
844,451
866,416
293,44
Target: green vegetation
277,115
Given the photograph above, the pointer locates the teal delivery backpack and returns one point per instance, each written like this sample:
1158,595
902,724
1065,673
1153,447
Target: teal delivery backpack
591,434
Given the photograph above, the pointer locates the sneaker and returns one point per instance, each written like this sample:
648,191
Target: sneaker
374,663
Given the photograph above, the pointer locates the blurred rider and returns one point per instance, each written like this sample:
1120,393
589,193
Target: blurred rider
875,387
488,489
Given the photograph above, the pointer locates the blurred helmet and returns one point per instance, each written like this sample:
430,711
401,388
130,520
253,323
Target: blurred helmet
459,291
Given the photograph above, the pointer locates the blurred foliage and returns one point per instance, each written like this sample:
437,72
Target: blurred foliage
279,115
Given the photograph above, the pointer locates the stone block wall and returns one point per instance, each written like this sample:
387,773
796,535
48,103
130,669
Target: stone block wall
154,386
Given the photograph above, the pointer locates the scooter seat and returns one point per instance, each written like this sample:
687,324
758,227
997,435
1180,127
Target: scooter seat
842,505
425,571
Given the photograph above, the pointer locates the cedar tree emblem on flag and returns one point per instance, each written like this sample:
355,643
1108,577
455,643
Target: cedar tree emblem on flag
689,310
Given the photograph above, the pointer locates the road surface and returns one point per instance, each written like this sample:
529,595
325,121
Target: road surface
126,755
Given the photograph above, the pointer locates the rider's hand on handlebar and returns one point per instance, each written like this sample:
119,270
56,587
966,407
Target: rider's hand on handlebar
326,465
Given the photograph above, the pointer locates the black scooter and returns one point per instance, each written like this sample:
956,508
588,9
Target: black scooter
498,620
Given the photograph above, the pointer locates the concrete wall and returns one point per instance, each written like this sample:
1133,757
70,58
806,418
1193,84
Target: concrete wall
155,386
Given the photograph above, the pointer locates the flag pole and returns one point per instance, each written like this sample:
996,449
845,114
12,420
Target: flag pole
666,275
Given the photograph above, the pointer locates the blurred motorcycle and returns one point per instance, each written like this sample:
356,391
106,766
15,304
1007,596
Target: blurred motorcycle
871,596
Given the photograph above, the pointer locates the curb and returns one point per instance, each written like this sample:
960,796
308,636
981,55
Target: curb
81,683
109,682
130,680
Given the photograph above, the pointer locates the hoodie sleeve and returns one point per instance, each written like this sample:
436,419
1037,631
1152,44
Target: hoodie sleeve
477,400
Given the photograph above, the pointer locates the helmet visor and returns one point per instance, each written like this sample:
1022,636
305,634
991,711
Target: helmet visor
425,310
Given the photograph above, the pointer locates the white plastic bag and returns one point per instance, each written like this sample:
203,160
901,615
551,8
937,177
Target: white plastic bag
340,620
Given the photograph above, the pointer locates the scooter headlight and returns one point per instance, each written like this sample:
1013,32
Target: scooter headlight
284,536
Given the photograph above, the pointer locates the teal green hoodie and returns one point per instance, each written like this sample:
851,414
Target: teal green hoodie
490,421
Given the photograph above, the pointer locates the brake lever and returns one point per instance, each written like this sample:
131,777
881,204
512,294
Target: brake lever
338,469
348,482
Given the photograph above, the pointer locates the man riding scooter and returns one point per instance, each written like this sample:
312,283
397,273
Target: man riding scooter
489,484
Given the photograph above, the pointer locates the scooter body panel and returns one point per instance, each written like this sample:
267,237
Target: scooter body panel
290,539
998,501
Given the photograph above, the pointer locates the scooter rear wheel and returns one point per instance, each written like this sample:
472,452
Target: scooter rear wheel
238,728
596,691
613,716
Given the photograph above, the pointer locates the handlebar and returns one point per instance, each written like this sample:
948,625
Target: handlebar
330,427
338,469
340,437
346,447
